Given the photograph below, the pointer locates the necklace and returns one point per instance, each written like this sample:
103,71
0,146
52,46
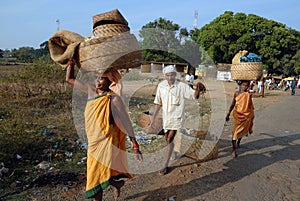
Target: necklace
99,92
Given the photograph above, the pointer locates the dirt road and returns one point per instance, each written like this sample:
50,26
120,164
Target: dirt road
267,168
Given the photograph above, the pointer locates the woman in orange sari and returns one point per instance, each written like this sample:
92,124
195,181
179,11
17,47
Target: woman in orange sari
243,113
106,125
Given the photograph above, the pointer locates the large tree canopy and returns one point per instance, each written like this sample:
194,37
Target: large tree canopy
165,41
275,43
159,40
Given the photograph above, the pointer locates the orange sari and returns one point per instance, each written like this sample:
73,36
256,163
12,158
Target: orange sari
243,116
106,157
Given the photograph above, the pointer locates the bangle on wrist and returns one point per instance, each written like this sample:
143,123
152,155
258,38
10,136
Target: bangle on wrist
135,147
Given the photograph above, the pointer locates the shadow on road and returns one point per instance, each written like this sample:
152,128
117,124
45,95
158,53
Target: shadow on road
245,165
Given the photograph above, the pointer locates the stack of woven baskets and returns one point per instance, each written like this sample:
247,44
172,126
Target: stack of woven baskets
112,45
246,66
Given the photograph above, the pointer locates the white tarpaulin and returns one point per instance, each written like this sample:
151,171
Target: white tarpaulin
224,75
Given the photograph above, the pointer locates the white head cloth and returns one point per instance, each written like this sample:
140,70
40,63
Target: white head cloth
169,69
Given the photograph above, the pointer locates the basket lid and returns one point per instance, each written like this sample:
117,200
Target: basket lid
111,17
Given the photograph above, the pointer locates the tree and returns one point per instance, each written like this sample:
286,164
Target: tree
165,41
158,39
296,62
44,50
24,54
275,43
29,54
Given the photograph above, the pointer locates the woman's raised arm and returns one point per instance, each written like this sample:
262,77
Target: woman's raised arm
70,78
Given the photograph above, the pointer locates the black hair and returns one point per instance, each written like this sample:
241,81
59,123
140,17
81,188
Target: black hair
108,80
245,81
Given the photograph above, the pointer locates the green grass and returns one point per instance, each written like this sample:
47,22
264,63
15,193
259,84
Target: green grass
34,98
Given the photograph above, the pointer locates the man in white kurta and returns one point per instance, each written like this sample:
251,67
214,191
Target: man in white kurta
172,99
171,95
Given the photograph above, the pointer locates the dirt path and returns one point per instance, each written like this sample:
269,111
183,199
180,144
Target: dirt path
267,168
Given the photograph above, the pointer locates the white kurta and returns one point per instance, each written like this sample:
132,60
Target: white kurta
172,99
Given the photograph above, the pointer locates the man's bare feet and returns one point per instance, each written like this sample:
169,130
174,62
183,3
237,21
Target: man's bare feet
175,156
164,171
233,154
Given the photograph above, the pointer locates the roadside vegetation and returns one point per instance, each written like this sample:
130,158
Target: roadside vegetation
36,127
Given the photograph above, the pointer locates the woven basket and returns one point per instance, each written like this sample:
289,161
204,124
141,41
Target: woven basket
200,134
119,52
246,71
202,150
109,30
144,122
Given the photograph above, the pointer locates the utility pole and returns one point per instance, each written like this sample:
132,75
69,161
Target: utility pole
58,24
195,24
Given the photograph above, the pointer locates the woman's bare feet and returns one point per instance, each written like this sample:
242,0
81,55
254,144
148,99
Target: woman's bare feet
239,142
98,196
118,185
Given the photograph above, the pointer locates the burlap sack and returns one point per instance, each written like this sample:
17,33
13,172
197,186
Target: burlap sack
63,45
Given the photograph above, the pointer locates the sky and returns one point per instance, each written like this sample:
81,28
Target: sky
28,23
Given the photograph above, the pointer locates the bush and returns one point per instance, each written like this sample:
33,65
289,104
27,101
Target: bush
36,121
